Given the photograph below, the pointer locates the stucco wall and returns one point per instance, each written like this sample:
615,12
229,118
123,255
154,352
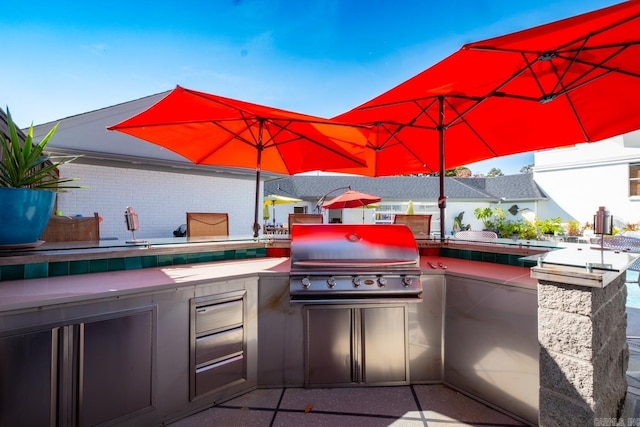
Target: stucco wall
580,179
161,199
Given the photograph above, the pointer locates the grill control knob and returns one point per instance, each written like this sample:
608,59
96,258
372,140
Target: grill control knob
356,281
382,281
306,282
406,281
331,282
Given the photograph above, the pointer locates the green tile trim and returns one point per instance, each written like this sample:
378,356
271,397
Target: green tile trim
149,261
502,259
13,272
165,260
491,257
35,271
68,268
79,267
219,256
179,259
116,264
59,269
132,263
99,265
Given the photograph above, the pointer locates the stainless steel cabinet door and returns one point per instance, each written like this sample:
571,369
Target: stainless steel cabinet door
330,343
116,367
384,338
27,363
356,345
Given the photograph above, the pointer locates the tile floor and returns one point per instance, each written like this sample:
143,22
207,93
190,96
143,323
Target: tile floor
414,405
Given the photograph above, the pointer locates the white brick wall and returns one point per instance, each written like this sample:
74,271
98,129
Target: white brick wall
161,199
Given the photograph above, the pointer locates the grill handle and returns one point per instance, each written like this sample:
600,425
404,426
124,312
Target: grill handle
353,264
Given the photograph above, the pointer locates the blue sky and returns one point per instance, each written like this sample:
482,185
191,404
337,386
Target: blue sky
320,57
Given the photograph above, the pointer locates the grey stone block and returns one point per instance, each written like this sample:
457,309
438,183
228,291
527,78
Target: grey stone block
560,411
563,297
567,376
584,352
566,333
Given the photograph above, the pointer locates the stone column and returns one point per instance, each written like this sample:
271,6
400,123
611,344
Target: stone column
583,352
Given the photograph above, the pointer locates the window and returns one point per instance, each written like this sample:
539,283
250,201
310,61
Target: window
634,179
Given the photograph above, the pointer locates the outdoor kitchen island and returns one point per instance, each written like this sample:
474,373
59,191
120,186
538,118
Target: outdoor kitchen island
475,330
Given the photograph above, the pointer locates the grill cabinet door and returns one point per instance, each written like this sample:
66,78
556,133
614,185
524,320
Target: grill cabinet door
384,338
329,337
350,345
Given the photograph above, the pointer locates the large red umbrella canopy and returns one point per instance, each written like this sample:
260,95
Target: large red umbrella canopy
351,199
212,130
570,81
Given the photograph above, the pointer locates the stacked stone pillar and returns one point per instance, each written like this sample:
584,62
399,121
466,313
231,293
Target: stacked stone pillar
583,352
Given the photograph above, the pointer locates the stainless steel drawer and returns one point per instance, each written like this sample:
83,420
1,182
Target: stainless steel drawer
219,374
218,345
218,316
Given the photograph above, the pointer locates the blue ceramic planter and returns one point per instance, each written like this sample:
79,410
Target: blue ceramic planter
24,214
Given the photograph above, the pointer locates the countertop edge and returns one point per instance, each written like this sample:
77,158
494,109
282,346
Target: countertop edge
52,291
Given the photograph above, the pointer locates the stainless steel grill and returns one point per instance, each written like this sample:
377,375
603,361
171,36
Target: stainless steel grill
352,261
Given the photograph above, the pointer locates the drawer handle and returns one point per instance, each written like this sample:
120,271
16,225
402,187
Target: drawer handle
220,306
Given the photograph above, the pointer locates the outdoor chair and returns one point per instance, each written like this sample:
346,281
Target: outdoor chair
620,243
476,235
207,224
302,218
72,229
420,224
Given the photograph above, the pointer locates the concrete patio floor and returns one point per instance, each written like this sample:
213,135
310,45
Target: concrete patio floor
414,405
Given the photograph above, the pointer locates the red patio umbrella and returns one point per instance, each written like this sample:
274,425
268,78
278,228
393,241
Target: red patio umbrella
571,81
351,199
212,130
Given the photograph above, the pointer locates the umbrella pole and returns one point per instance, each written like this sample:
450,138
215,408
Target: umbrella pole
442,200
256,225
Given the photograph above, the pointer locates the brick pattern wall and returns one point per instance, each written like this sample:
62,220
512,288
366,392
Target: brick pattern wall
161,199
583,352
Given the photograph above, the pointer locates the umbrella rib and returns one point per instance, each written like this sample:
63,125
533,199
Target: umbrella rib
410,151
394,134
232,136
570,43
433,98
314,141
575,59
462,118
601,65
257,139
573,107
565,88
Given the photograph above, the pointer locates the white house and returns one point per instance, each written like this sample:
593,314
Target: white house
464,195
580,179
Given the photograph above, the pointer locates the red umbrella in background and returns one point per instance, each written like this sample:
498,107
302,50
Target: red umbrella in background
571,81
213,130
351,199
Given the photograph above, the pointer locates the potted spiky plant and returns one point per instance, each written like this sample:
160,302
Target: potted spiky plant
28,184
